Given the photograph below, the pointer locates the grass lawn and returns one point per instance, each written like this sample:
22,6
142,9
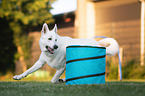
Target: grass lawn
33,88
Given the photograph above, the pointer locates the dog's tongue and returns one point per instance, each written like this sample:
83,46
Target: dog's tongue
50,50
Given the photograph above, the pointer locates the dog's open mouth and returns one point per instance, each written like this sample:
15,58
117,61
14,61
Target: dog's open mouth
50,49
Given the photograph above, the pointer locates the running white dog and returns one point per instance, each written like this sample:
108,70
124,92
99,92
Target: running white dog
53,49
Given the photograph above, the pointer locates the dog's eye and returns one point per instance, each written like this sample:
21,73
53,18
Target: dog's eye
49,38
55,39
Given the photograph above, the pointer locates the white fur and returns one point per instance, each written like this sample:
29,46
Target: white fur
112,44
57,57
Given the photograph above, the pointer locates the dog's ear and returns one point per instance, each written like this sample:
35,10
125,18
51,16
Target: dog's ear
55,29
45,28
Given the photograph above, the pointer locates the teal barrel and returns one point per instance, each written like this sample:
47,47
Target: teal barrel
85,65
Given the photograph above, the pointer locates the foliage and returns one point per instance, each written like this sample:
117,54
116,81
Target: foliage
27,12
24,14
130,70
21,15
112,69
133,70
47,88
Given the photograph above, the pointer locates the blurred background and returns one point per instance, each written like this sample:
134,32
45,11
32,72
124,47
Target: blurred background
21,22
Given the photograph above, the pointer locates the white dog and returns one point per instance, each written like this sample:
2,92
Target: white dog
53,49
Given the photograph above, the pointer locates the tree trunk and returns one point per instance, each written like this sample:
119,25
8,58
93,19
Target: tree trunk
20,64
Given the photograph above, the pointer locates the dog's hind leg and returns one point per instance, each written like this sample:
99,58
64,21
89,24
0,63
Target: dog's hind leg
57,75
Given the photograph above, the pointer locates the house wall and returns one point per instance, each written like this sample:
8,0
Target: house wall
119,19
121,22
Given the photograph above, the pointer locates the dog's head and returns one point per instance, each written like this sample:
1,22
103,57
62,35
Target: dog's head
48,40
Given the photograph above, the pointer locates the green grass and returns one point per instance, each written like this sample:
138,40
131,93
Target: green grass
48,89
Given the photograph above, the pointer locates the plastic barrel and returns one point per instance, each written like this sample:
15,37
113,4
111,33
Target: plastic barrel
85,65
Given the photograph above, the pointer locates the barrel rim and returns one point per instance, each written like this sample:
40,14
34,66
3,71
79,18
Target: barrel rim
84,46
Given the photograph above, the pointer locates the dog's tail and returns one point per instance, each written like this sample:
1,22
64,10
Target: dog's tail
111,45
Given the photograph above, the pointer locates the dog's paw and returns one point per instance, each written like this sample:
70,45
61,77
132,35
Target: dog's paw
59,81
17,77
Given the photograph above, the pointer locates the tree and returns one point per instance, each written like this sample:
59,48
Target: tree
7,48
21,15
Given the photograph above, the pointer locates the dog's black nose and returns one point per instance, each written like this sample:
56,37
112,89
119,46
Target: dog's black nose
55,46
46,47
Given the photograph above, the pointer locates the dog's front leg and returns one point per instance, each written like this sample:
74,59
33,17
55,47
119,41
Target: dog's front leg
57,75
35,67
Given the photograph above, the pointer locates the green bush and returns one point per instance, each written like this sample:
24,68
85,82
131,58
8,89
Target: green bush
112,70
130,70
133,70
